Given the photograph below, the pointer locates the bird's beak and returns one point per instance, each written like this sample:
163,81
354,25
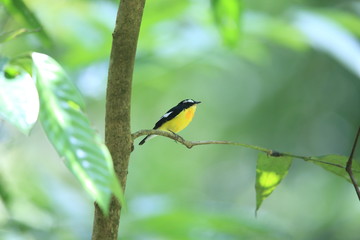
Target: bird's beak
197,102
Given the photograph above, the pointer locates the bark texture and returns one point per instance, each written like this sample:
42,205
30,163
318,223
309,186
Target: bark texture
118,99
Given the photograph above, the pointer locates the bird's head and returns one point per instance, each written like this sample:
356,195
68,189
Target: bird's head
188,102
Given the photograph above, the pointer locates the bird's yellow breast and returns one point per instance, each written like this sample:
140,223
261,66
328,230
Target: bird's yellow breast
179,122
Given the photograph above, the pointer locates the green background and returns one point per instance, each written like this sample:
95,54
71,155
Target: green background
290,82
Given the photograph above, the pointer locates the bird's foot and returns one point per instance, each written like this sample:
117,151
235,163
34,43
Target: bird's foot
177,137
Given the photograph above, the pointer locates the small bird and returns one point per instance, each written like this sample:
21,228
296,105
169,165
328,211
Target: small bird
176,119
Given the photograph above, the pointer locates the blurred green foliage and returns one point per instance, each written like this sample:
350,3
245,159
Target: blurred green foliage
291,83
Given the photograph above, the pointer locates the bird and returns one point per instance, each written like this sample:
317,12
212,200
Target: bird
176,119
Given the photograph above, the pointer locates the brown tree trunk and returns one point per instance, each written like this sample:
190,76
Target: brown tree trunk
118,100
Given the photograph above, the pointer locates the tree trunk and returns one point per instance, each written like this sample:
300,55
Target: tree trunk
118,100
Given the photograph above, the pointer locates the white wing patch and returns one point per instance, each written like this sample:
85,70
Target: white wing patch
166,114
150,137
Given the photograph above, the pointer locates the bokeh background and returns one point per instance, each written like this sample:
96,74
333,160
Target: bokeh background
290,82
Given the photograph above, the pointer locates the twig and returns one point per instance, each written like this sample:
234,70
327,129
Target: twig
190,144
349,165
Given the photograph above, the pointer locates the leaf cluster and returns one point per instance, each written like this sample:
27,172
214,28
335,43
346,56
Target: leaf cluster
47,92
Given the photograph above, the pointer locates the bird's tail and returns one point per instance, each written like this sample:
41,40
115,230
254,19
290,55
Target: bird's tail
146,139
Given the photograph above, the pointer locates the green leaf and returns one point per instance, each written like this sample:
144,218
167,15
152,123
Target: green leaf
227,15
336,164
24,62
19,101
348,20
69,130
269,173
23,14
7,36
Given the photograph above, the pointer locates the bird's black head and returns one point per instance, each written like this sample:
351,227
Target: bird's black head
188,102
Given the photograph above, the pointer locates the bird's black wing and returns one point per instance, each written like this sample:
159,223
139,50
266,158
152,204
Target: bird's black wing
173,112
168,116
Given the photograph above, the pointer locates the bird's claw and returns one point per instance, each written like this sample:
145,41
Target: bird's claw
177,137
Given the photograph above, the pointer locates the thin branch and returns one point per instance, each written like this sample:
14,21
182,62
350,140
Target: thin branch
190,144
349,165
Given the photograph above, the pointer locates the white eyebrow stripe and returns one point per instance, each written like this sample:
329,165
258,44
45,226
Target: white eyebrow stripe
166,114
189,100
